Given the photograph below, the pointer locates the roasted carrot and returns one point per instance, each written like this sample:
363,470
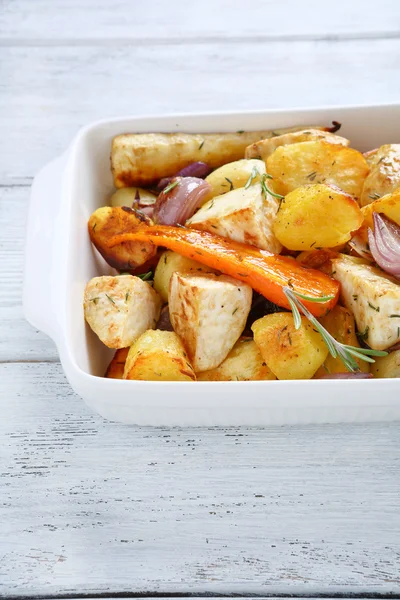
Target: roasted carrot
266,273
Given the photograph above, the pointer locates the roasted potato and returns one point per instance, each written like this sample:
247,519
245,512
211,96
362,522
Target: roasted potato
141,159
171,262
373,297
241,215
131,195
387,366
158,356
290,353
209,313
116,367
233,175
264,148
105,223
243,363
384,175
388,205
340,324
317,162
119,309
316,216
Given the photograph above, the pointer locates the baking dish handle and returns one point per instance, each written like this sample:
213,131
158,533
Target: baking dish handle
40,248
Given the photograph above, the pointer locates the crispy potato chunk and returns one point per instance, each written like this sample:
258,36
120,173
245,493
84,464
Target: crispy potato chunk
233,175
290,353
121,308
341,325
387,366
317,216
243,363
241,215
171,262
264,148
129,196
388,205
107,222
317,162
158,356
209,313
384,176
116,367
141,159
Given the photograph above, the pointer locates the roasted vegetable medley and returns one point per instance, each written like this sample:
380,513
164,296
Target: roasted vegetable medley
249,256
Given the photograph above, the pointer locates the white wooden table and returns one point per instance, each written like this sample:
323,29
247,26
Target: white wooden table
90,507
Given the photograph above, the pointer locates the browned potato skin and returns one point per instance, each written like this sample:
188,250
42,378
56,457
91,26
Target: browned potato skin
107,222
384,176
264,148
341,325
158,356
142,159
115,369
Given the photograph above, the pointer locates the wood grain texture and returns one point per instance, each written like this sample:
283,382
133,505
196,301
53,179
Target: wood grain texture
93,506
69,19
47,94
18,340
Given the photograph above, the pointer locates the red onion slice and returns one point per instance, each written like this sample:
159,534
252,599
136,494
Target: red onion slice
384,243
164,322
346,375
182,198
196,169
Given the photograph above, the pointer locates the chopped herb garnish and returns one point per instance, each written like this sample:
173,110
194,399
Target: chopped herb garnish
355,297
211,205
230,183
289,338
94,300
146,276
345,353
363,335
236,309
313,244
112,301
165,259
253,175
314,298
374,307
127,296
94,226
266,190
374,196
240,131
171,186
201,145
311,176
275,134
394,316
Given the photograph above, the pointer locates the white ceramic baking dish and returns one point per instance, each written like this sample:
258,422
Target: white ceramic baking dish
60,260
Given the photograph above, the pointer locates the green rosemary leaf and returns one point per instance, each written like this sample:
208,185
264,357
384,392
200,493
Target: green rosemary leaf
253,175
313,298
146,276
296,313
171,186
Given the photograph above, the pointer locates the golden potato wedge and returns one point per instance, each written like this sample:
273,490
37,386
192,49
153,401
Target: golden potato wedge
387,366
141,159
158,356
116,367
107,222
388,205
384,175
341,325
131,195
233,175
316,216
264,148
243,363
317,162
171,262
290,353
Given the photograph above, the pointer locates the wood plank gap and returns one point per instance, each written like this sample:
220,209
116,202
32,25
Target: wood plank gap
197,40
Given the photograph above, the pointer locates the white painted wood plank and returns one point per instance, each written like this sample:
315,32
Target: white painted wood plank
160,20
47,94
18,340
90,506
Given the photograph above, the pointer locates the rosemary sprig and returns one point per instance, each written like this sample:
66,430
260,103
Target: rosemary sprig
345,353
266,190
145,276
171,186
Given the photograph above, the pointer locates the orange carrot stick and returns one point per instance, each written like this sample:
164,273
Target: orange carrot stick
266,273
